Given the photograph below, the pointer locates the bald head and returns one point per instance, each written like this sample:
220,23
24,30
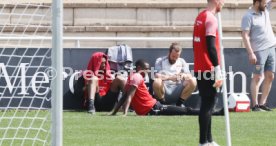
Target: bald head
215,5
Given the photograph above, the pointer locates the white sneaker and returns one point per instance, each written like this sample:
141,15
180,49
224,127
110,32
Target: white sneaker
213,144
205,144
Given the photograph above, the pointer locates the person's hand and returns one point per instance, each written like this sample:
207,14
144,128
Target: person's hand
218,77
186,76
173,78
182,76
252,58
124,114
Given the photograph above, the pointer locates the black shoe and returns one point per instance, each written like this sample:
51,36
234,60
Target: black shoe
162,101
91,107
180,102
220,112
265,108
256,108
181,105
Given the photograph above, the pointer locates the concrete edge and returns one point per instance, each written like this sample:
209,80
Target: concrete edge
114,29
130,4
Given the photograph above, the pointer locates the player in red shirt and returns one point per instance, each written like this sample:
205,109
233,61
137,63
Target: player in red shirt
138,97
102,90
207,61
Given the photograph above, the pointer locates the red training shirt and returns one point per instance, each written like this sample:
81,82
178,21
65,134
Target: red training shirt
205,25
142,101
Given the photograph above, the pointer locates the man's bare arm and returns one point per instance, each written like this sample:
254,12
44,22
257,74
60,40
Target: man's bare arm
176,77
246,41
166,77
125,99
129,96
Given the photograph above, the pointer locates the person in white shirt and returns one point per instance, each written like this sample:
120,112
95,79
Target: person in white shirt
173,83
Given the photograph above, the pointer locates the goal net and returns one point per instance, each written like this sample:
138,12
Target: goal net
25,73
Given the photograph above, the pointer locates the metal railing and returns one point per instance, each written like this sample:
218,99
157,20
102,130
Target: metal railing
79,39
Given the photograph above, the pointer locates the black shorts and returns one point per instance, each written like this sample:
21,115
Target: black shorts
106,103
205,85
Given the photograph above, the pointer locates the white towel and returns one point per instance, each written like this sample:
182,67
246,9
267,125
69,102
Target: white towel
120,53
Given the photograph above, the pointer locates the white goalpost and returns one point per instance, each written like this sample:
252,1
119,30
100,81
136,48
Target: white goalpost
29,107
224,86
57,63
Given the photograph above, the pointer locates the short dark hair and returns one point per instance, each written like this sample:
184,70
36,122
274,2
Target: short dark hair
141,62
254,1
175,45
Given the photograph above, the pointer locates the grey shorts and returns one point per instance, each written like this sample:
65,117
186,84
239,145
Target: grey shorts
173,92
265,61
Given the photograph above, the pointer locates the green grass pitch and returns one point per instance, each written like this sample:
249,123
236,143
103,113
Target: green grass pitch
83,129
80,128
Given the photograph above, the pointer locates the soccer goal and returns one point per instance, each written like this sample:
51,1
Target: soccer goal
29,70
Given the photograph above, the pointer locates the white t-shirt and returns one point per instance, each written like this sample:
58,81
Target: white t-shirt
163,66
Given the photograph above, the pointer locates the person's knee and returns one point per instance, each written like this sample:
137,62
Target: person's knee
257,78
269,76
192,83
119,79
118,84
208,102
158,88
92,80
157,83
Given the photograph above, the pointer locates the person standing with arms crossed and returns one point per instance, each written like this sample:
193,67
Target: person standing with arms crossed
207,63
260,44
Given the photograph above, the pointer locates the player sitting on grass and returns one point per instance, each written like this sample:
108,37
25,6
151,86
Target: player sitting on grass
138,97
173,82
101,89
